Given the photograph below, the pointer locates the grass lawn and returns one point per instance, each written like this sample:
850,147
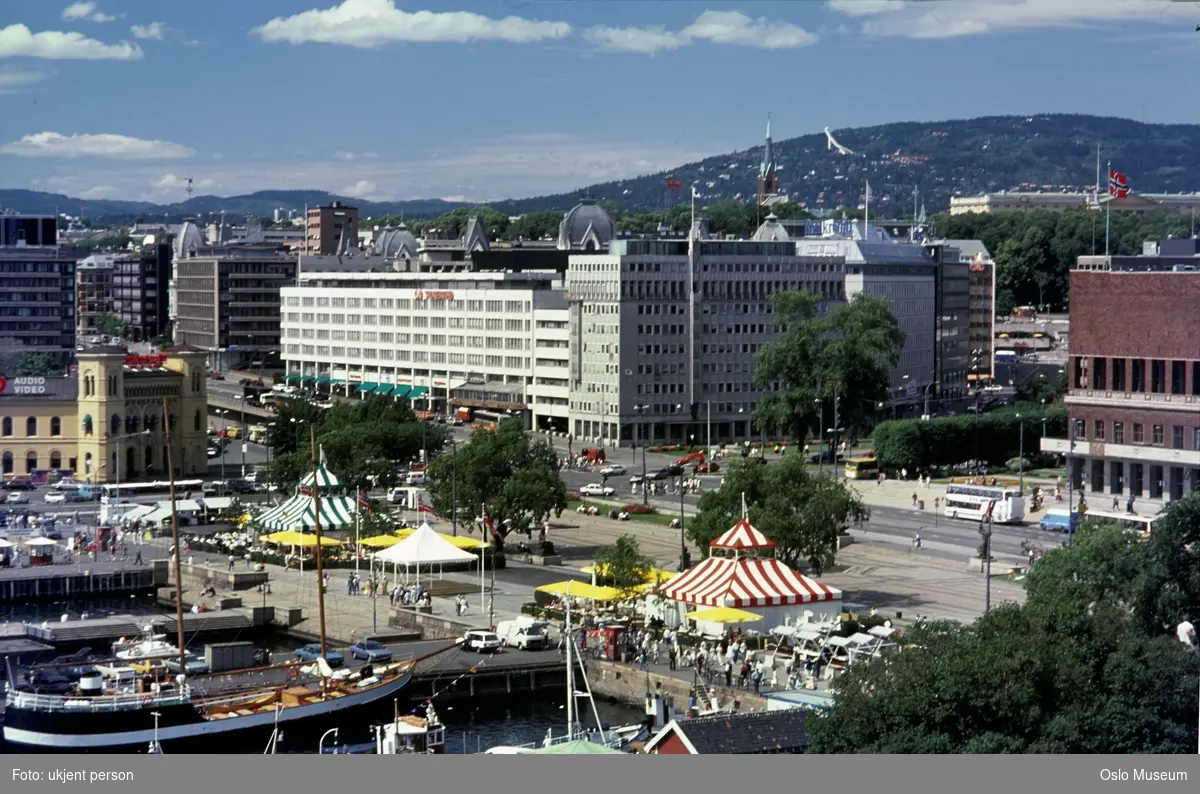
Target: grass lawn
663,519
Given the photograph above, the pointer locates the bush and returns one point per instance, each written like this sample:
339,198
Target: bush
639,510
572,496
1018,464
918,444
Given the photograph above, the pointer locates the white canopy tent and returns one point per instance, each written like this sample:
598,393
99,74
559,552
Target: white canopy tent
424,547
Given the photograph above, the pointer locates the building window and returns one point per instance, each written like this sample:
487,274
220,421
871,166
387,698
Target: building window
1077,429
1157,430
1196,378
115,424
1138,433
1178,377
196,421
1138,378
1196,438
55,426
1177,437
1100,374
55,459
7,462
1098,429
1118,374
112,385
1158,376
31,461
1118,432
7,428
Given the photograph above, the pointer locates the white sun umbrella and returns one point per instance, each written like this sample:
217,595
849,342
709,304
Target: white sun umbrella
4,544
41,542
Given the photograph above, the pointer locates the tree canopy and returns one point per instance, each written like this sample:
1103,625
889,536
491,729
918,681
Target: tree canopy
1088,664
803,513
622,564
33,365
847,353
112,325
506,471
364,442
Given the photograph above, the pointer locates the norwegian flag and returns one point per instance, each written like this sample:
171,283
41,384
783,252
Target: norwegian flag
304,490
491,527
364,504
1118,184
423,506
673,184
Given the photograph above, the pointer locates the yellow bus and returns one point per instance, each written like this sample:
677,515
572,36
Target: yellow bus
861,469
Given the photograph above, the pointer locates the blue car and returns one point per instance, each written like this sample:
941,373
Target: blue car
312,652
370,651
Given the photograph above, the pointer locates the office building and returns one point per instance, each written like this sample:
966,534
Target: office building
332,229
37,287
226,300
664,336
106,420
485,337
952,351
140,289
93,293
1133,396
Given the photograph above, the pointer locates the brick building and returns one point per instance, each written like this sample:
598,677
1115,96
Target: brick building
1134,376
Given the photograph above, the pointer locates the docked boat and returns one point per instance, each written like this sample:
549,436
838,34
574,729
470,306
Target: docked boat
130,705
146,645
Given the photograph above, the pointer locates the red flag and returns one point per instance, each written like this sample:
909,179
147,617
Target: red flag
364,504
491,527
1118,184
673,184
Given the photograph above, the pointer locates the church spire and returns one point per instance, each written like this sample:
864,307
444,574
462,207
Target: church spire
768,162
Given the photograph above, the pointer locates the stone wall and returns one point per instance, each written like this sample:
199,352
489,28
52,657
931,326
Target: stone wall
432,627
220,578
629,685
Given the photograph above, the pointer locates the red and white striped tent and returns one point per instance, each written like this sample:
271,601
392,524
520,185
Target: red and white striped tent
743,573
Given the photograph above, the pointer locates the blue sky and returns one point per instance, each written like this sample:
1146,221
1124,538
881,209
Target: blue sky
483,99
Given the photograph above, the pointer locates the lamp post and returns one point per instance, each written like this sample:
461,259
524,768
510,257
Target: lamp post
454,488
271,435
683,552
321,744
985,530
242,432
641,409
296,430
1021,456
708,429
221,412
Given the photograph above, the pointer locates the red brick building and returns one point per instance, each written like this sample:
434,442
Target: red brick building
1133,376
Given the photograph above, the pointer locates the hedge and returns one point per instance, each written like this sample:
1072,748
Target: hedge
921,444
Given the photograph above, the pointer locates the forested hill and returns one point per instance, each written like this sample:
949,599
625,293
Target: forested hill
940,159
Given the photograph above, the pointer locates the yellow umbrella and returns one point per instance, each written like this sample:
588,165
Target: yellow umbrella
724,615
575,589
652,576
456,540
293,538
379,541
654,584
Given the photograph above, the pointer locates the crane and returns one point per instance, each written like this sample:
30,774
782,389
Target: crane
832,143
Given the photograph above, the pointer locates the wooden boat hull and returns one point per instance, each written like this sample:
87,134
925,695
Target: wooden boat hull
192,727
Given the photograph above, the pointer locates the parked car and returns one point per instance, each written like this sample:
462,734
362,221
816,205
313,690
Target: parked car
613,471
312,652
824,456
370,651
480,641
596,489
17,498
214,452
20,484
55,497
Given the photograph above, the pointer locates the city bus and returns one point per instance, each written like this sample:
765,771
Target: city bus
1143,525
972,502
861,469
135,490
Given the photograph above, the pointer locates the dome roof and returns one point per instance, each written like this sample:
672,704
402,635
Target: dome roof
395,243
771,231
190,238
587,225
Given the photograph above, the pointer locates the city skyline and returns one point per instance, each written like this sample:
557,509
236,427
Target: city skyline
128,98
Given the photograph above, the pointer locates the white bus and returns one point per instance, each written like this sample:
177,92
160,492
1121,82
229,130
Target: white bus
1143,525
972,501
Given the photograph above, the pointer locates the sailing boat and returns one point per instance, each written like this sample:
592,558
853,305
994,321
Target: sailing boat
120,708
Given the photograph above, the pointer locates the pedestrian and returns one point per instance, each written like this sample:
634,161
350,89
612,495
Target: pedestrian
917,540
728,673
1186,632
137,560
671,657
914,498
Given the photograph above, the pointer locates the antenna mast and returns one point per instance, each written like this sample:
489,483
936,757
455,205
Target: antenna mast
190,189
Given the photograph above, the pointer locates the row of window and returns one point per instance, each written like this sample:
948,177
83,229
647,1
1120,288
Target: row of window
416,356
31,461
1137,434
31,426
404,304
1139,375
405,321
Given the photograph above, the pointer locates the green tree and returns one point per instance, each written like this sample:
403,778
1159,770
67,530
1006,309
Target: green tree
1077,669
804,514
847,353
290,430
507,472
534,226
112,325
623,565
374,523
288,468
35,365
454,222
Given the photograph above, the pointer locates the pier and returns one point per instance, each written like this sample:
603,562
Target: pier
78,580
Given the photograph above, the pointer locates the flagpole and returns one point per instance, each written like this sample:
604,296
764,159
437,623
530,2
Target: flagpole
1108,218
867,211
482,554
357,524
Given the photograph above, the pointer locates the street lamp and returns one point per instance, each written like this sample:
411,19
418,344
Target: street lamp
684,562
1021,457
321,744
221,413
454,488
641,409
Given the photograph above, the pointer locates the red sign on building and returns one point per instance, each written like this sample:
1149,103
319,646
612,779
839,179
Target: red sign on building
432,295
145,362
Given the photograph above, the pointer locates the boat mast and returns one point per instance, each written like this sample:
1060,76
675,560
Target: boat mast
570,640
312,435
175,545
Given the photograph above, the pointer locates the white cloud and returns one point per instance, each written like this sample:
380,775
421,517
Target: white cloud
85,11
372,23
118,147
928,20
19,41
99,191
154,30
363,189
487,170
12,81
170,181
352,156
718,27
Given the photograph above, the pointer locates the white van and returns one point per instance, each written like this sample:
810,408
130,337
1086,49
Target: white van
525,633
416,478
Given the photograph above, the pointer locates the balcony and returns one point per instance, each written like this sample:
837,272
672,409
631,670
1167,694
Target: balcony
1145,454
1134,400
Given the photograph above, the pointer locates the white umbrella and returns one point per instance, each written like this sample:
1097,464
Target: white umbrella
4,544
40,542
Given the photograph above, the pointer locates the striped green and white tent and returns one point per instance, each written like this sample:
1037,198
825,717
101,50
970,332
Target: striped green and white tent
297,514
323,477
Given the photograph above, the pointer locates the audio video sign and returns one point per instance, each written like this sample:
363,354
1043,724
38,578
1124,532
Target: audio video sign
59,388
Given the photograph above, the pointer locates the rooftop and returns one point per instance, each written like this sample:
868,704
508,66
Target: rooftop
745,733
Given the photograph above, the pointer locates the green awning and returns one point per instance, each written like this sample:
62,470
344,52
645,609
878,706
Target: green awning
401,391
290,378
418,391
363,388
384,389
307,379
323,381
337,381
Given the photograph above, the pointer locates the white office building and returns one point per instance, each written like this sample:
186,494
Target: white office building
483,342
